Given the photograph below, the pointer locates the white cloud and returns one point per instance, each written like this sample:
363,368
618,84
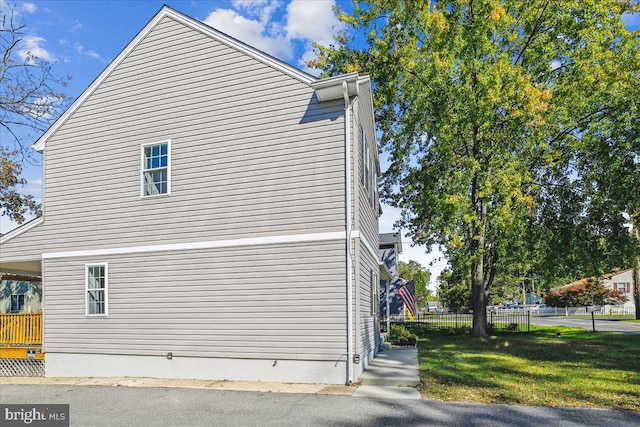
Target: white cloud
29,7
311,20
80,49
254,22
33,45
260,35
262,9
43,107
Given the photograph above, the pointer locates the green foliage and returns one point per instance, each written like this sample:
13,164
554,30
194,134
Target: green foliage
12,203
482,107
454,290
413,270
400,335
592,292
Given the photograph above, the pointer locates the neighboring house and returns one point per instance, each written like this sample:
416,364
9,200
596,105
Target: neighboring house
209,212
621,281
20,294
390,249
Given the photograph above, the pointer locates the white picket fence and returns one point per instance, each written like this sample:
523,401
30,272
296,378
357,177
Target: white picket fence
608,310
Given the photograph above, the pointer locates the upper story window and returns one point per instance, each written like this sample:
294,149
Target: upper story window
156,161
96,289
17,303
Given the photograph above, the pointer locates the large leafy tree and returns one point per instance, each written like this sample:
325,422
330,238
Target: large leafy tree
31,98
481,105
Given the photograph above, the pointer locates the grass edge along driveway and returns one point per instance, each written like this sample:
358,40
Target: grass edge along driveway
552,366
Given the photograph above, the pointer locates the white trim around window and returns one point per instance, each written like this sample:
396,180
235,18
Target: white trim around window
155,169
96,289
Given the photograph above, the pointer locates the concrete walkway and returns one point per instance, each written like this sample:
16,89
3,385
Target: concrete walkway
393,374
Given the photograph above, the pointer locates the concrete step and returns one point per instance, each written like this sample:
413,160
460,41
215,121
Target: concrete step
390,379
387,392
397,367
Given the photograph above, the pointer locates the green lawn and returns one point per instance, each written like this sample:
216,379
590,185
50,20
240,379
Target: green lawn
578,369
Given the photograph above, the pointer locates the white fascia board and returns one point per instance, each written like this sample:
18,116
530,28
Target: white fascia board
22,229
166,11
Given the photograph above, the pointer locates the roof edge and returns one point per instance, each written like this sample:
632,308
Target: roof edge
21,229
193,23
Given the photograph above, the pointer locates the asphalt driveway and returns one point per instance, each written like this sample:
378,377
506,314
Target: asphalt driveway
96,406
602,324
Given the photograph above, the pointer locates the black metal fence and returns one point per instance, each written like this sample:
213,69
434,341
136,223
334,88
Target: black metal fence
462,322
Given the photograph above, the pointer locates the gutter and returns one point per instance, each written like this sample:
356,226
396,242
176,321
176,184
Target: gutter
347,159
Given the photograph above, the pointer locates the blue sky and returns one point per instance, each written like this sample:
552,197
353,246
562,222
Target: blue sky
82,37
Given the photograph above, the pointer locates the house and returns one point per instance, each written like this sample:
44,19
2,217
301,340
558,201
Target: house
621,281
390,248
208,212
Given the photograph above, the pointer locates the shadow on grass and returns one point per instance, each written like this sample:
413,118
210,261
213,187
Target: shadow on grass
577,368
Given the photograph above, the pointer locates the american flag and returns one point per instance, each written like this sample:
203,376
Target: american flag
407,293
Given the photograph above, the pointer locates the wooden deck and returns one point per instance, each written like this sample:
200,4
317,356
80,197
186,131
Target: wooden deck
21,336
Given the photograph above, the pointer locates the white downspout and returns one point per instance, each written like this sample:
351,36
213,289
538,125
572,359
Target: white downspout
347,157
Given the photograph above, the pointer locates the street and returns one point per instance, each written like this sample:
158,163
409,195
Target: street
97,406
602,324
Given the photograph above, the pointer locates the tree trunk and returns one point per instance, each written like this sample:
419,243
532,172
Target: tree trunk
479,268
478,302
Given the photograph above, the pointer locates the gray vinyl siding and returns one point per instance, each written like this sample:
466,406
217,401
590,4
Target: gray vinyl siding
24,247
252,151
367,222
233,302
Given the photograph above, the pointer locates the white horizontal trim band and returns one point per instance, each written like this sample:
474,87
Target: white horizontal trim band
249,241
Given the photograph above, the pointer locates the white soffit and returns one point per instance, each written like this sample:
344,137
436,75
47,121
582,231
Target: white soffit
331,88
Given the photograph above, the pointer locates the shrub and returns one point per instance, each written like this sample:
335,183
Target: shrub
513,327
401,336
